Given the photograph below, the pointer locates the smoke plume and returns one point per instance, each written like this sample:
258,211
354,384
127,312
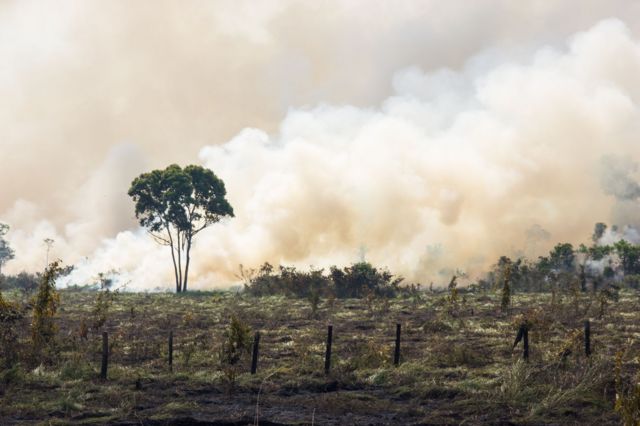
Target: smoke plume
368,127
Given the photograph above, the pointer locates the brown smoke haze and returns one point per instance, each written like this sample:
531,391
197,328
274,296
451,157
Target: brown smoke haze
426,136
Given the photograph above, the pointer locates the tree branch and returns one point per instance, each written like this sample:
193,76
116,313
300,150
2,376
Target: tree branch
159,239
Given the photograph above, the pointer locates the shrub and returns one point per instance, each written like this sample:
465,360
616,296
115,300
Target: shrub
369,354
632,281
100,312
286,281
43,328
236,344
76,369
314,301
360,279
627,397
515,382
24,281
355,281
10,314
452,299
505,302
12,375
605,295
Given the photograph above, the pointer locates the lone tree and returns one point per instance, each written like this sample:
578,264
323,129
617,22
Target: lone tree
175,204
6,252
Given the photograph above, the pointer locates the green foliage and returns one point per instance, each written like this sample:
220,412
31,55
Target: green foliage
103,301
12,375
356,281
525,276
632,281
562,257
582,279
559,271
364,354
605,296
515,382
175,204
599,252
6,252
45,306
505,301
235,347
287,281
453,297
598,231
629,257
76,368
24,281
27,282
448,355
236,342
359,279
10,314
314,301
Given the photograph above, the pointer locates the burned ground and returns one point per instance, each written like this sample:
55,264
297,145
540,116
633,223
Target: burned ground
457,362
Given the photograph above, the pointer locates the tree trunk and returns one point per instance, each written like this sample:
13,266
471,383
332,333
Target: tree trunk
180,262
173,258
188,260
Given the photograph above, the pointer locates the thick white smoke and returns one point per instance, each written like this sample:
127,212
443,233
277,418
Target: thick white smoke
454,168
477,163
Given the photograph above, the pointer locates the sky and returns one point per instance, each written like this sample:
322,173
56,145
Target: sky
424,136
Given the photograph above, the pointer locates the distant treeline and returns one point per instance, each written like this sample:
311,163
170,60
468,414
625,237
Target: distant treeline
565,268
28,282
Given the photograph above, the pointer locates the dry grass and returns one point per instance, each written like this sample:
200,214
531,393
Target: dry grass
458,367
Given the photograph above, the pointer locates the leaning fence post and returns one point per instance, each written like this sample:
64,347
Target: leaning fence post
254,358
523,334
105,355
587,338
396,354
327,356
171,350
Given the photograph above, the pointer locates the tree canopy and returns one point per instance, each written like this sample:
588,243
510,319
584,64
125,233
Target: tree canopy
6,252
175,204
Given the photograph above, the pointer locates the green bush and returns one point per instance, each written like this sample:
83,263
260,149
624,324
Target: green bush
361,279
287,281
235,347
10,314
356,281
46,301
12,376
76,369
24,281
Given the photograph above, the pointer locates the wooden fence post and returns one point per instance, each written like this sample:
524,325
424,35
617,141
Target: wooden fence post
254,358
171,350
396,354
587,338
327,356
105,355
523,334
